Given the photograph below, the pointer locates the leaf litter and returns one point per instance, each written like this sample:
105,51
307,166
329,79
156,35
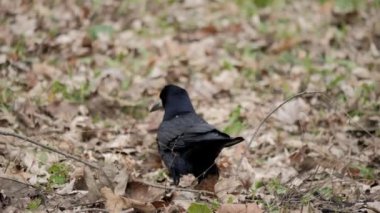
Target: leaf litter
80,76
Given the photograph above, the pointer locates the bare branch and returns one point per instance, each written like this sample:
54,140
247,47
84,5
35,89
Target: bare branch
266,118
56,151
175,188
48,148
16,181
91,210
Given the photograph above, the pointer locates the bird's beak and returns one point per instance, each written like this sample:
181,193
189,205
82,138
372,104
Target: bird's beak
156,106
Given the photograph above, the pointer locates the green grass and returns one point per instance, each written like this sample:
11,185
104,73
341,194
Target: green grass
78,95
139,111
256,186
346,6
6,98
59,174
235,123
276,187
251,7
199,208
366,172
20,47
34,204
95,30
161,176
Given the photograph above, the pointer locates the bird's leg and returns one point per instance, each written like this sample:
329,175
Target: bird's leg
213,170
175,175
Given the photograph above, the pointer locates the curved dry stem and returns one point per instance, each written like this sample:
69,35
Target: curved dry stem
266,118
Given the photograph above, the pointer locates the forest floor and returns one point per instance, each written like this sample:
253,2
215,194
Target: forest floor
77,79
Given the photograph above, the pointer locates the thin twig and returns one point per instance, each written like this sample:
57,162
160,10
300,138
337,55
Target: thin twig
27,184
86,204
48,148
17,181
91,210
265,119
175,188
38,190
56,151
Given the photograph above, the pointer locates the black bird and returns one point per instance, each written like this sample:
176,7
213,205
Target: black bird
187,143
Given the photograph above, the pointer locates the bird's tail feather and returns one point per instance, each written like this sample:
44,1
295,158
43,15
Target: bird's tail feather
234,141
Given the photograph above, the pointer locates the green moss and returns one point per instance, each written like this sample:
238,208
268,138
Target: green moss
276,187
199,208
34,204
59,174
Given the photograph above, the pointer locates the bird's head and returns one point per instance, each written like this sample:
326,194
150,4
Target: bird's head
174,100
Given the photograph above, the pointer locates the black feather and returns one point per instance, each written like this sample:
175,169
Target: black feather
187,143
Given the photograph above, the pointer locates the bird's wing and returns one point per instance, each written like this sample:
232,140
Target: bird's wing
190,130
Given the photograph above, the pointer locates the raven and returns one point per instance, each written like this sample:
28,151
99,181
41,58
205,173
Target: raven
187,143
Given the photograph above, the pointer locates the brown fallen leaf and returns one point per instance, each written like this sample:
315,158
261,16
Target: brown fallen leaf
239,208
284,45
26,112
353,171
144,193
208,183
226,187
31,79
116,203
121,180
173,208
47,71
93,191
183,199
62,110
301,161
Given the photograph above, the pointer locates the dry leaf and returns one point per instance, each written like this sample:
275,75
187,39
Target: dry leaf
121,180
225,187
93,190
183,199
187,180
116,203
239,208
144,193
374,206
62,110
67,188
301,161
293,111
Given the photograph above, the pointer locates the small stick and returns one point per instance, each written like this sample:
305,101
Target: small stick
16,181
48,148
91,210
56,151
175,188
39,191
266,118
